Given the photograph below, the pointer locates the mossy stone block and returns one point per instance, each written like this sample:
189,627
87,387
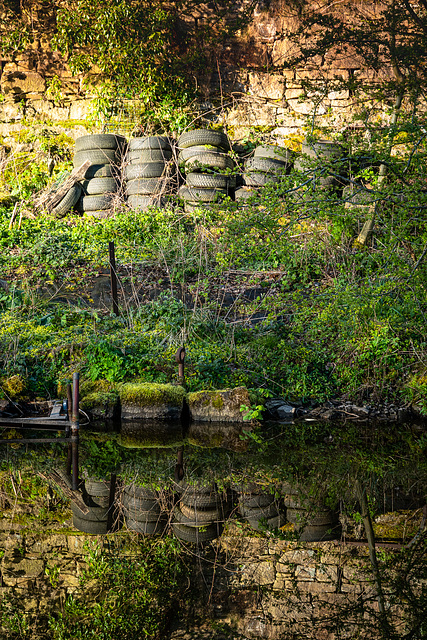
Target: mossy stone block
218,406
101,405
150,400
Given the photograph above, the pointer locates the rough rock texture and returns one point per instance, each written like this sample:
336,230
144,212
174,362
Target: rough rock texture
218,406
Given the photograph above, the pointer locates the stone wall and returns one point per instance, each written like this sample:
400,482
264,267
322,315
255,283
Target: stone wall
248,72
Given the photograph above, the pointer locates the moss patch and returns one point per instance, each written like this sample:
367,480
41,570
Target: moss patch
145,394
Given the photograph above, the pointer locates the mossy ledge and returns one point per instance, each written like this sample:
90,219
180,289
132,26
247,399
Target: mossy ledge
151,400
222,405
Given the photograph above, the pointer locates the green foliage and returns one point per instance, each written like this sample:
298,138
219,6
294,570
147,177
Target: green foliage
135,597
101,458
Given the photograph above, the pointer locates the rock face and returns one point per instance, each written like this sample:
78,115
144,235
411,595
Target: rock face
146,400
218,406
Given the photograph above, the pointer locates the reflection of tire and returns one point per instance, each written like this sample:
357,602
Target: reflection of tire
196,535
137,491
144,170
68,201
251,501
274,522
141,504
195,517
100,141
203,136
257,513
96,186
98,488
209,180
207,501
95,156
90,526
150,142
315,518
146,527
97,203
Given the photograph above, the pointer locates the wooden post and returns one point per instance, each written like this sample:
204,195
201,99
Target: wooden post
113,277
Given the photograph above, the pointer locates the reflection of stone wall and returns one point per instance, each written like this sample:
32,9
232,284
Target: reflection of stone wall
262,586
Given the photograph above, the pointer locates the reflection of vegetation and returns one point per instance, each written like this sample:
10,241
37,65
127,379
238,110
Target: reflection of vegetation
135,597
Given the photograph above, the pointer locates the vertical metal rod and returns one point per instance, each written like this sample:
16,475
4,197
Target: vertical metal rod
113,277
180,357
75,431
69,414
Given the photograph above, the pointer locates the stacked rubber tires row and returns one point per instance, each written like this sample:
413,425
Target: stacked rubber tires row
148,174
207,167
101,516
260,508
199,514
144,512
102,178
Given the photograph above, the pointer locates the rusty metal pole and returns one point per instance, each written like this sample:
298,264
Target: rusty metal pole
69,414
180,357
75,431
113,277
179,467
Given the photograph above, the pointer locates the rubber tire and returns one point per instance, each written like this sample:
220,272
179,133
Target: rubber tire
256,514
101,171
322,150
145,186
150,142
146,170
211,160
209,180
245,193
97,186
142,203
97,203
100,141
272,523
282,154
149,527
265,165
259,179
149,155
190,152
90,526
203,136
198,518
98,488
193,535
95,156
68,201
194,194
252,501
199,489
318,534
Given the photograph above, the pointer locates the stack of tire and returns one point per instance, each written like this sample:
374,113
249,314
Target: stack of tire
100,518
207,167
312,520
198,516
69,200
148,172
268,164
102,179
259,507
143,511
314,161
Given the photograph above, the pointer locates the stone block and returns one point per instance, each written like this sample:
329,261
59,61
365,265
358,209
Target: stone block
76,543
306,107
327,573
266,85
80,109
150,400
218,406
10,111
15,565
17,82
259,573
316,588
297,556
305,572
